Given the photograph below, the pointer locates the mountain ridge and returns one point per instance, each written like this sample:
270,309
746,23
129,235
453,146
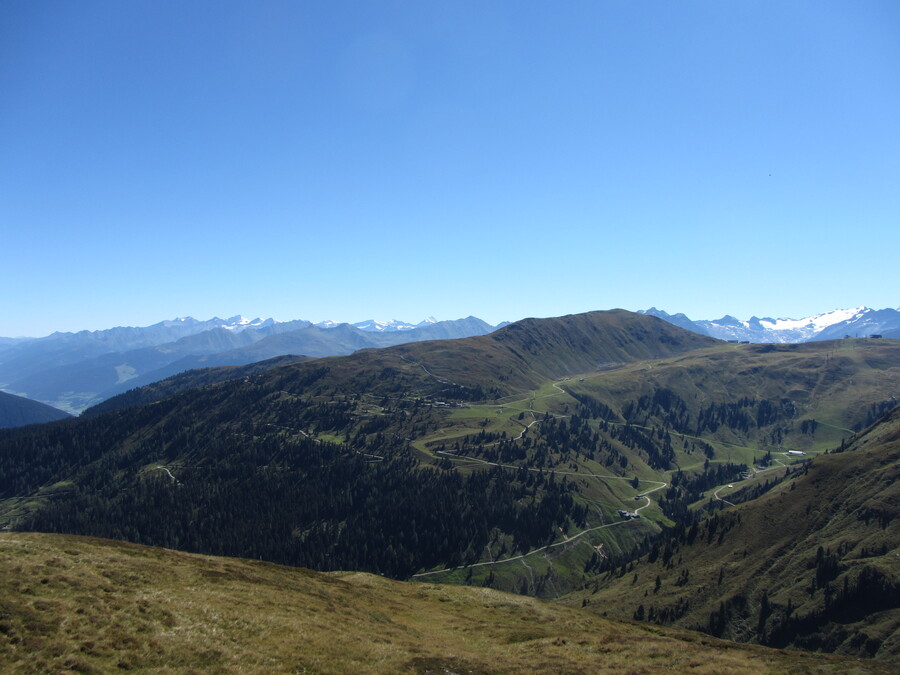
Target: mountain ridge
854,322
74,371
16,411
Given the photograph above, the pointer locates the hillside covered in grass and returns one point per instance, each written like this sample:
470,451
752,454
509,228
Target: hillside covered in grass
74,604
814,563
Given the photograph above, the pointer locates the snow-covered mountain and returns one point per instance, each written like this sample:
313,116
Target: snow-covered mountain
392,325
885,322
837,323
239,323
375,326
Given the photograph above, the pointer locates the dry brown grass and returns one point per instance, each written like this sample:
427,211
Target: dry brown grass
73,604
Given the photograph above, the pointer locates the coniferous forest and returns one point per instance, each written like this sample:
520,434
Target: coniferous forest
263,490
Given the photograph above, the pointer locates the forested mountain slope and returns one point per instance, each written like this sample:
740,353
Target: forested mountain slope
815,563
792,397
185,381
16,411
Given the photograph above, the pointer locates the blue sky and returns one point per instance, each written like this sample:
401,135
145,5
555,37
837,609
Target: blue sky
350,160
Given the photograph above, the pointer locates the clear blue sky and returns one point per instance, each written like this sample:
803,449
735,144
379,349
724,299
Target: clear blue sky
350,160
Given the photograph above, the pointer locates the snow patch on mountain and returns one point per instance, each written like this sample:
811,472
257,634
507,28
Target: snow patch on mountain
374,325
837,323
814,323
782,330
239,323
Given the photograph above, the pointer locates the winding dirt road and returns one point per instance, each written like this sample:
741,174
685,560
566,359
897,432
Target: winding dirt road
659,486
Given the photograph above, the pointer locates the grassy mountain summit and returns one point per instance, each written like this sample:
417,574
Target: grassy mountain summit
76,604
814,563
516,357
525,354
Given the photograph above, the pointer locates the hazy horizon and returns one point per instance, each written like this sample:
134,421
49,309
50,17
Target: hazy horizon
418,319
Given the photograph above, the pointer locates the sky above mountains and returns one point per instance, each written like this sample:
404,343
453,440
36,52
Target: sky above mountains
350,160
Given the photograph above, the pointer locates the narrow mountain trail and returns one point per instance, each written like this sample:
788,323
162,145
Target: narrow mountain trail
441,380
525,428
716,495
756,472
166,469
660,486
530,574
522,556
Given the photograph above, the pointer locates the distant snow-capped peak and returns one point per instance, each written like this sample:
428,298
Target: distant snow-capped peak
238,323
767,329
831,325
378,326
382,326
815,323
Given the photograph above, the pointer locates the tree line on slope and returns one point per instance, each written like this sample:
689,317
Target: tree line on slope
232,472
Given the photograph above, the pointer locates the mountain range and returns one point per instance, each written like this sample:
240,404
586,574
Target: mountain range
833,325
72,371
555,458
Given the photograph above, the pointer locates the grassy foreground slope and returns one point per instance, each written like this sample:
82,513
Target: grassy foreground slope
815,563
88,605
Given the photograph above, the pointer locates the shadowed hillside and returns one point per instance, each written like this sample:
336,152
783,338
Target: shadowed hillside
16,411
